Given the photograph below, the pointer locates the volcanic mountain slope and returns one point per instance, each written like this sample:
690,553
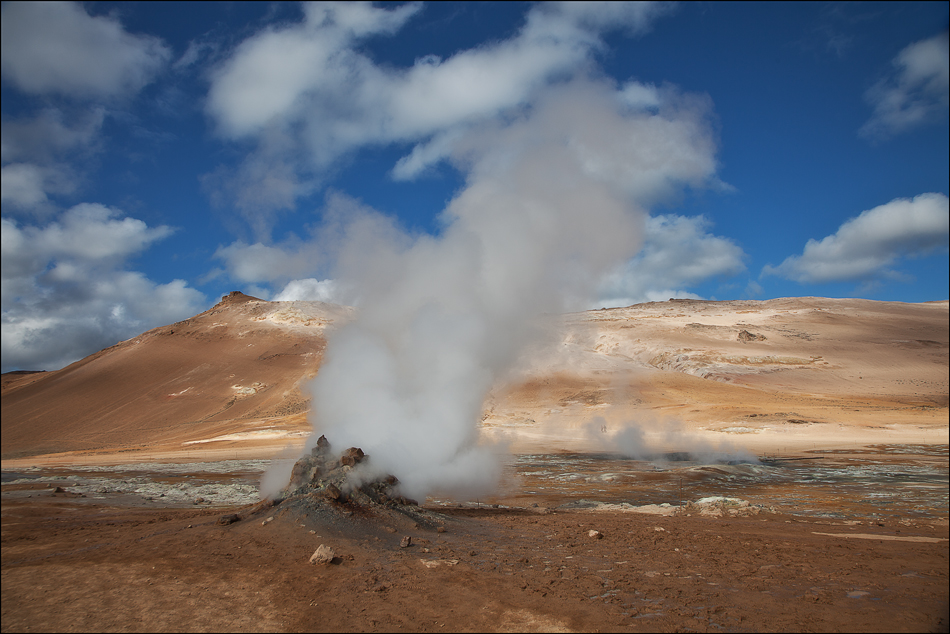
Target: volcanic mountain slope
774,372
236,368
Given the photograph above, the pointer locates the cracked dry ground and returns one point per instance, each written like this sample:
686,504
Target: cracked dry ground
72,565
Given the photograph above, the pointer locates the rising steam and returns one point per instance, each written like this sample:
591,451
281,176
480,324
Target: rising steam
554,199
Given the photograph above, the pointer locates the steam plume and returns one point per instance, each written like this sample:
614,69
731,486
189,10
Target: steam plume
553,200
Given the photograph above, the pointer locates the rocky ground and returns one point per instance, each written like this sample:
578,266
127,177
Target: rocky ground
534,560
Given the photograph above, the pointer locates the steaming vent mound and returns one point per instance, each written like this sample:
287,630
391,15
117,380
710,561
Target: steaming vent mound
344,490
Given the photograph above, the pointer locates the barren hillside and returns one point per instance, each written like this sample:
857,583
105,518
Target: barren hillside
237,368
770,375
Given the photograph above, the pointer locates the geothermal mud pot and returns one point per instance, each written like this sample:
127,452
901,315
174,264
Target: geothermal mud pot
820,541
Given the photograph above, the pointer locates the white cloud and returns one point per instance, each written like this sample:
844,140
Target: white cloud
647,153
915,93
66,293
310,290
274,74
56,47
94,233
866,246
48,135
269,180
23,185
267,263
35,153
344,220
678,252
634,17
309,96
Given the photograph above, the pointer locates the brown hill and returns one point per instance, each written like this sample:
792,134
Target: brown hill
776,375
234,369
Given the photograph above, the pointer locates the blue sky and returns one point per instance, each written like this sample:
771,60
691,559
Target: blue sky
159,155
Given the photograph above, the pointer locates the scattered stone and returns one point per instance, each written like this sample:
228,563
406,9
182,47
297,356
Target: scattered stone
332,492
434,563
595,534
721,507
267,521
199,500
322,556
230,518
745,336
440,529
406,542
59,490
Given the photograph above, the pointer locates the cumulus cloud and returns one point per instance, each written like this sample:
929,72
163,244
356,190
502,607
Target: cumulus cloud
66,292
867,246
310,290
57,47
48,135
917,91
259,262
306,90
23,185
37,155
343,219
678,252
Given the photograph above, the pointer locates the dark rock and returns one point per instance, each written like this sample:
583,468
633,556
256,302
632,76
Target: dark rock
230,518
406,542
352,456
324,481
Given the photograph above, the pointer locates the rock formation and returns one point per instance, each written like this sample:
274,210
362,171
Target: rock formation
346,479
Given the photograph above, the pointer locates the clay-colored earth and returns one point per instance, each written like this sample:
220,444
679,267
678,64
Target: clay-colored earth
71,566
844,525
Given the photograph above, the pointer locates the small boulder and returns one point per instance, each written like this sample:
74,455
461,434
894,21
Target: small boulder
352,456
322,556
230,518
406,542
595,534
